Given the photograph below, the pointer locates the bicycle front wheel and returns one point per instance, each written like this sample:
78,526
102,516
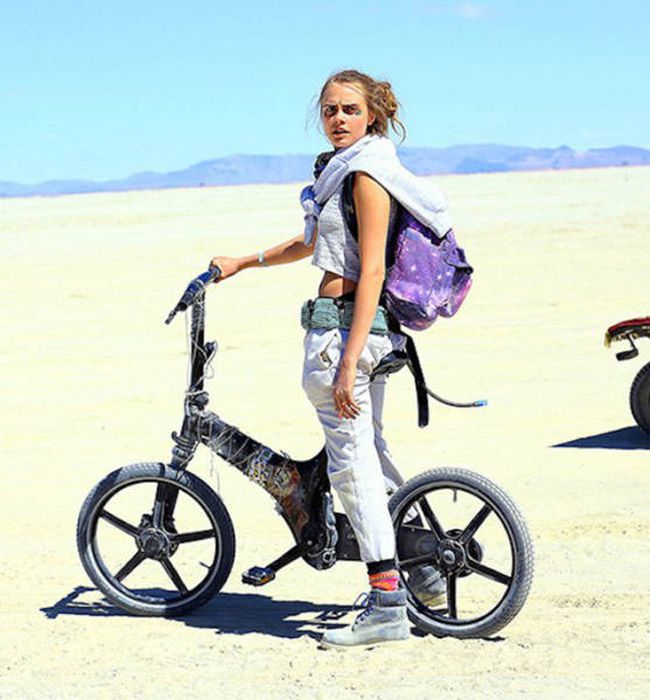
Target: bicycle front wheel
155,540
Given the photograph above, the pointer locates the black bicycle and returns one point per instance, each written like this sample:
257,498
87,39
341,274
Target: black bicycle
157,540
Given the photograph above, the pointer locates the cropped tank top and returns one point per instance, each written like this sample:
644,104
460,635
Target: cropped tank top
336,249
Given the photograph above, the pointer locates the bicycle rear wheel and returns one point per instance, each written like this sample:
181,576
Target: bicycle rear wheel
156,541
472,534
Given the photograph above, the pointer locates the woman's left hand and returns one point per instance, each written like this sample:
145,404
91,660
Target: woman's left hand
346,406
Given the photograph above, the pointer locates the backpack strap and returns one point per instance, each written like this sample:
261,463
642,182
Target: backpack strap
413,362
349,213
350,218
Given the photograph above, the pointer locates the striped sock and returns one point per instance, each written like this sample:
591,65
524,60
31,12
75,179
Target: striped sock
385,580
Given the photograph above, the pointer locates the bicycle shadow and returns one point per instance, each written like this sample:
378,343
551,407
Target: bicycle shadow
226,613
248,613
71,605
632,438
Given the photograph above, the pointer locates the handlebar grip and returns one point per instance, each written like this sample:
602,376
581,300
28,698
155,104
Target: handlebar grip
213,274
196,286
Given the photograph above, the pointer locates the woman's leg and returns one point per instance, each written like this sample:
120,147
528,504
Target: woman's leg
392,478
354,465
355,472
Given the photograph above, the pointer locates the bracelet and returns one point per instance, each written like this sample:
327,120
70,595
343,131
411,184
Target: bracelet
261,260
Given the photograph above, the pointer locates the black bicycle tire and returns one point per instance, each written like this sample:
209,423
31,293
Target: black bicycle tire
196,488
640,398
523,553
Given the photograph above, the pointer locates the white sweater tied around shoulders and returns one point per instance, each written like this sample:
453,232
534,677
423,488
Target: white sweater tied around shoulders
377,156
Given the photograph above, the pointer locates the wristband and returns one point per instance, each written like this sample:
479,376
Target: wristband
261,260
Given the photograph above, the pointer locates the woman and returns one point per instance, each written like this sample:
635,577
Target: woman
355,112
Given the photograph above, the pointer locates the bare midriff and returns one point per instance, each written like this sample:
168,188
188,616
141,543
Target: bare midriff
333,285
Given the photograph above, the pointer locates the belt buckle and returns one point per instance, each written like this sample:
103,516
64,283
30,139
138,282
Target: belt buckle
339,305
306,313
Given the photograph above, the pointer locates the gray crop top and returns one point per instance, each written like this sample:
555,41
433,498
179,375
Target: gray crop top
336,250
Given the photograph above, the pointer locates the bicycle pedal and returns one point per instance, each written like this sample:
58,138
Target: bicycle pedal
258,575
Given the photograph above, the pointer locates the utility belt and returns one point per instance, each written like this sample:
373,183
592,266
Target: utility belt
327,312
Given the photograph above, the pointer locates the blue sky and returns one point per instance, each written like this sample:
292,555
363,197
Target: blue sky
98,90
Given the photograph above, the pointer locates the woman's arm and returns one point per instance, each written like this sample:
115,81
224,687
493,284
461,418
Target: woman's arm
372,204
286,252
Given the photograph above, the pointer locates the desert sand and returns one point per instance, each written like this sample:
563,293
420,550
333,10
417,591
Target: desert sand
92,380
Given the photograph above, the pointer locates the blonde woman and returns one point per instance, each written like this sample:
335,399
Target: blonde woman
348,333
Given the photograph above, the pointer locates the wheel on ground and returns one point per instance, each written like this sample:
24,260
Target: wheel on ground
155,540
640,398
464,552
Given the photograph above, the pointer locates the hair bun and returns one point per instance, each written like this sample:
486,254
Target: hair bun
389,99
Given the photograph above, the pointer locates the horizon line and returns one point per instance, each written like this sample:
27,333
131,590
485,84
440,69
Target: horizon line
72,179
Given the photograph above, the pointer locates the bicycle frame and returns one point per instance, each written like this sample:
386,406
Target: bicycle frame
301,489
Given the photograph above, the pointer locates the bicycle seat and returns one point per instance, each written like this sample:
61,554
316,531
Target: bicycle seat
632,328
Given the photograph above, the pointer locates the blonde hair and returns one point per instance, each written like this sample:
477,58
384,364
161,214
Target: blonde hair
379,97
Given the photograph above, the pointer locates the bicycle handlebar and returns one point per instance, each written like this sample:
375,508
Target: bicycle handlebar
194,288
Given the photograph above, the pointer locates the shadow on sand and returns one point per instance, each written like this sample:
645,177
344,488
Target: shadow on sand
632,438
226,613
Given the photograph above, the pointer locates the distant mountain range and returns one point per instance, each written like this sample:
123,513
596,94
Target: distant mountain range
248,169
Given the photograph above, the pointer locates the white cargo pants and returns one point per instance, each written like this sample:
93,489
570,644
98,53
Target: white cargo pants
360,467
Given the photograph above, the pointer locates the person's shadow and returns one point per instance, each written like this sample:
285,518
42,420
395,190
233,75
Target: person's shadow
226,613
632,438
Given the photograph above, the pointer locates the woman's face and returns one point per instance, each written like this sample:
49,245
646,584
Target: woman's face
344,114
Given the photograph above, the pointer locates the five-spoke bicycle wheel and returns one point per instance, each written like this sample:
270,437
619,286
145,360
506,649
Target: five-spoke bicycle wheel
474,536
155,540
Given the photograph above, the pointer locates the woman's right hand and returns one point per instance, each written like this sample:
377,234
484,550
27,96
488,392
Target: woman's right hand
228,266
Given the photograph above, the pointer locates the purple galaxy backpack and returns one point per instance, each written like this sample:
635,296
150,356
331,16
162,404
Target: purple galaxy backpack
427,276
